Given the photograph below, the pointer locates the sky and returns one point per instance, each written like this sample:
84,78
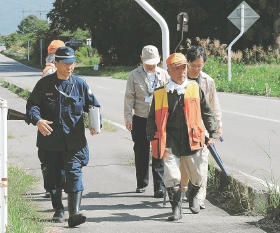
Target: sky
13,11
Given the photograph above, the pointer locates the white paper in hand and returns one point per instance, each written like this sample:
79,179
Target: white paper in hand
94,118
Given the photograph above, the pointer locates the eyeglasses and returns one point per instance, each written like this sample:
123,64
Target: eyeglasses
195,66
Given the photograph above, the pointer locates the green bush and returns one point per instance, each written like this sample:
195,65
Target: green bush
87,56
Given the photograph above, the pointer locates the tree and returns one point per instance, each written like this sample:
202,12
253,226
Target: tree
31,24
121,28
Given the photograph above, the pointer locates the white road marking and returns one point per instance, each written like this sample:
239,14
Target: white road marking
262,182
101,87
116,124
251,116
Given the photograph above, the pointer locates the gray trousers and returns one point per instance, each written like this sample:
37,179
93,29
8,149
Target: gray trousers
191,165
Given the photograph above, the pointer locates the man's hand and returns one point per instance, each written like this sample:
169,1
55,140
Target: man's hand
92,131
165,155
44,128
220,132
212,141
128,125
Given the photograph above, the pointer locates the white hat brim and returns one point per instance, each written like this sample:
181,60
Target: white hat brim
153,61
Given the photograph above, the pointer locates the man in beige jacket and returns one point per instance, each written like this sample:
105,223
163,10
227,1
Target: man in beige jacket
196,59
140,86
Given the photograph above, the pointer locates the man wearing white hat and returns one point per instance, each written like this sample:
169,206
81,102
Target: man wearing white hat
140,86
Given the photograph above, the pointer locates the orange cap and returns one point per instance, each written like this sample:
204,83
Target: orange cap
54,45
176,58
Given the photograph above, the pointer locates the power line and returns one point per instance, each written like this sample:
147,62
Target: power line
40,12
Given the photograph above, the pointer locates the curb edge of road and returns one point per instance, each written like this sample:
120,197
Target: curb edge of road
237,192
240,196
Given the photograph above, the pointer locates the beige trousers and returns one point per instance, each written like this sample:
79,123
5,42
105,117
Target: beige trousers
203,171
190,166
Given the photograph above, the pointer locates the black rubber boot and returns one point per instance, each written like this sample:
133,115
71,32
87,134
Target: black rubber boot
56,197
44,173
193,200
74,203
175,199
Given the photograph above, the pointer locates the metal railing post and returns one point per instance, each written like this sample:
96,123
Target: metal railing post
164,29
3,166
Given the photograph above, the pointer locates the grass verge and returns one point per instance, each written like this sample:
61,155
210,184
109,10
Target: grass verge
259,79
13,88
22,216
119,72
238,198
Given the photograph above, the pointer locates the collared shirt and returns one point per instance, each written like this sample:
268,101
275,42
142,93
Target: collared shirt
137,90
195,79
172,86
207,84
152,80
62,102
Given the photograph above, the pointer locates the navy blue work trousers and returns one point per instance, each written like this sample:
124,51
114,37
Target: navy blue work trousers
142,156
64,169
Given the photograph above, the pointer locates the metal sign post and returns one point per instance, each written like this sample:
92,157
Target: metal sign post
164,28
3,166
41,52
28,49
183,19
243,17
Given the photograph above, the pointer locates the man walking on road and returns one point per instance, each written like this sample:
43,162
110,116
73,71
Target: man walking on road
56,107
196,60
49,69
140,86
176,131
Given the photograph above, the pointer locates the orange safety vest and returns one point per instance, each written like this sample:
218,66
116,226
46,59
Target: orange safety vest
47,68
196,129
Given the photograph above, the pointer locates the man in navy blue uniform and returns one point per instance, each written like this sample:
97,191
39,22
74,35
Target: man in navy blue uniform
56,107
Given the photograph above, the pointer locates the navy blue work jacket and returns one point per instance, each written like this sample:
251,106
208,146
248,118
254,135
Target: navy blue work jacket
63,103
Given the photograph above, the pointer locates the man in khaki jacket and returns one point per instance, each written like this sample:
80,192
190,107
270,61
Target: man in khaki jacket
140,86
196,59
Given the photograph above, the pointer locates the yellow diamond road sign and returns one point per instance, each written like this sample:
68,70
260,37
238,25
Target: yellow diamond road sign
250,16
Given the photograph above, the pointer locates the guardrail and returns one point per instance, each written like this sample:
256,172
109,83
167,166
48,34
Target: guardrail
3,166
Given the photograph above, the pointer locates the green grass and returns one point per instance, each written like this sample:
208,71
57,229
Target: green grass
119,72
20,92
261,79
106,125
22,217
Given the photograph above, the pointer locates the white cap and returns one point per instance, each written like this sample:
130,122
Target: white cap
150,55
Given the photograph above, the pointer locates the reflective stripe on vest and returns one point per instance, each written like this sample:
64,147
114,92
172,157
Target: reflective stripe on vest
196,129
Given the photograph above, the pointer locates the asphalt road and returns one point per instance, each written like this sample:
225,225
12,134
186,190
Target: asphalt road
251,124
109,198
